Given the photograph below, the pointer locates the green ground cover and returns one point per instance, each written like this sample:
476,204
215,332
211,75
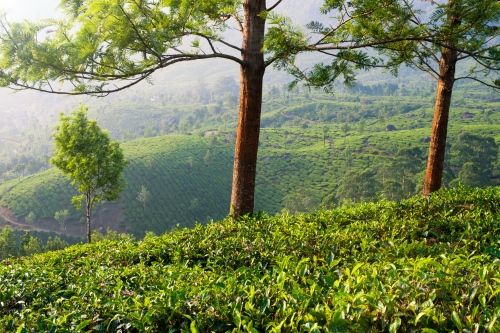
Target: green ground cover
419,265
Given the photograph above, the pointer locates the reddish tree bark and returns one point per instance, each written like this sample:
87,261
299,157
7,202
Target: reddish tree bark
247,138
435,162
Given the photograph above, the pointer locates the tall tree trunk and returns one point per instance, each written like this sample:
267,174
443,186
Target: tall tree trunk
88,209
247,137
435,162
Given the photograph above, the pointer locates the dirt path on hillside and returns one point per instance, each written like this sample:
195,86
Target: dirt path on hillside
9,217
101,221
43,225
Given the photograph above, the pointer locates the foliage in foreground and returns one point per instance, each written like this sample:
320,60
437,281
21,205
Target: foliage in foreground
422,265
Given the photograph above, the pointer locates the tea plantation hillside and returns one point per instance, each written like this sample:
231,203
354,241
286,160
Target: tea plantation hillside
182,186
419,265
187,178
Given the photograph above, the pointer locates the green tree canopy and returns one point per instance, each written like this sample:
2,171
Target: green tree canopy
30,218
143,196
7,243
85,153
399,176
474,156
62,216
357,186
481,150
301,201
56,243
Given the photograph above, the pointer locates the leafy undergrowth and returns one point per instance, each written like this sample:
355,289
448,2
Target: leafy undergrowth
421,265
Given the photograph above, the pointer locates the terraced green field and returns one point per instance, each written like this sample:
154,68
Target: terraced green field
308,144
183,188
187,186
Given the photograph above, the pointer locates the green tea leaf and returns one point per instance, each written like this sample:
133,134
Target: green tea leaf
303,271
394,326
355,269
82,325
237,318
420,315
193,327
493,251
482,273
456,320
472,294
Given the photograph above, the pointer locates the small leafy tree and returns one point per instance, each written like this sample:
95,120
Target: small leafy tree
29,245
325,134
285,137
195,205
361,125
55,243
481,150
345,128
7,243
85,153
190,162
357,186
33,246
19,170
470,175
143,196
399,175
304,200
30,218
62,216
208,158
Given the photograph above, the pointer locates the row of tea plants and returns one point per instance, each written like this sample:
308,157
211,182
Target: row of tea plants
420,265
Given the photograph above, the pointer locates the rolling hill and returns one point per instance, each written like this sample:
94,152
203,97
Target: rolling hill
188,177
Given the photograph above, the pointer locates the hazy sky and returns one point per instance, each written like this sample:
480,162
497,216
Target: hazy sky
29,9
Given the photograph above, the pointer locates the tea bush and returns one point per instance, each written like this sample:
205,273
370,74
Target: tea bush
420,265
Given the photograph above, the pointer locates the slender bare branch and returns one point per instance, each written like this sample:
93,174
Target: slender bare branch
270,61
8,33
362,45
426,48
478,80
274,6
238,22
426,70
218,41
144,13
373,66
428,66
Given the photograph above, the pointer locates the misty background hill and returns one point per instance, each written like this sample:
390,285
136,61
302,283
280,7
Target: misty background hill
313,145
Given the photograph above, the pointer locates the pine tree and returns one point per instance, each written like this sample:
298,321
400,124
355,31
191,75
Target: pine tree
458,33
125,41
